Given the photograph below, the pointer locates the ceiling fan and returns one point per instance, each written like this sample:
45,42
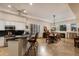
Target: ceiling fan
19,11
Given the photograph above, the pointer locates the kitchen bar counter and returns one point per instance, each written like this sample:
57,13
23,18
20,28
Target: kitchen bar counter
2,41
16,37
17,45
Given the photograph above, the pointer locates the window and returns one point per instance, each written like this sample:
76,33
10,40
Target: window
73,27
63,28
34,28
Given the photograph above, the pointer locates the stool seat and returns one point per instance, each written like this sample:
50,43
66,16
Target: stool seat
33,41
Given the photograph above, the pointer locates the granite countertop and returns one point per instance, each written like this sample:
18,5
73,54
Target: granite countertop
16,37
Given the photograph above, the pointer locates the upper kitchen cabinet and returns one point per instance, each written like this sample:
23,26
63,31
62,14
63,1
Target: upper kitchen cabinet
18,25
2,25
9,23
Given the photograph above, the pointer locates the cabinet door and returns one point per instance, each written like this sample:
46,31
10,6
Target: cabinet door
20,26
7,23
2,25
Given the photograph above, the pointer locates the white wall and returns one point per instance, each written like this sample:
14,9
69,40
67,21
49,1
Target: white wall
67,23
75,9
20,22
7,19
41,23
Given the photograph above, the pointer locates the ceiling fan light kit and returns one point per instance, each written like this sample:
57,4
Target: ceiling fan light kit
19,11
9,6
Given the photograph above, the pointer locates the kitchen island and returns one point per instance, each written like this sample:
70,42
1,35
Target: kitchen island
17,45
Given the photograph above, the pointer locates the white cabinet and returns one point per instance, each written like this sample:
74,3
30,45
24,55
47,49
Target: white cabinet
17,47
1,41
2,24
7,23
18,25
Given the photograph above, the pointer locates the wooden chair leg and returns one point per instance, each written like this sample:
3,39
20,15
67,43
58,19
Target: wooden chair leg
33,47
27,53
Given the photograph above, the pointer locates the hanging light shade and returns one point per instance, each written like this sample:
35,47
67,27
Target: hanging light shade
54,20
53,25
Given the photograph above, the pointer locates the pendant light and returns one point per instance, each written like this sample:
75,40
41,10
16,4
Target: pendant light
53,25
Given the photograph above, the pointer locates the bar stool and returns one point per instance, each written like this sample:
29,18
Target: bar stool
76,42
33,44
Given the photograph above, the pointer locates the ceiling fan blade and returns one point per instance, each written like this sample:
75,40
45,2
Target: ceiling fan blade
18,11
13,8
24,11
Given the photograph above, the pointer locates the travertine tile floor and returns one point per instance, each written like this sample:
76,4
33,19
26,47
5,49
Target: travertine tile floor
3,51
64,47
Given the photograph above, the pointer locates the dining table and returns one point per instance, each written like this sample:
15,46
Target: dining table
52,38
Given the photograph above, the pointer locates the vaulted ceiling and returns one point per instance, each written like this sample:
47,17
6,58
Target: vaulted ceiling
44,10
75,8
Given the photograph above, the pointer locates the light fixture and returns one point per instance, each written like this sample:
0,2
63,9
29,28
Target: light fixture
30,3
54,26
24,11
19,11
9,6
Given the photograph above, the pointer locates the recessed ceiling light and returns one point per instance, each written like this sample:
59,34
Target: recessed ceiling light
24,11
9,6
30,3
